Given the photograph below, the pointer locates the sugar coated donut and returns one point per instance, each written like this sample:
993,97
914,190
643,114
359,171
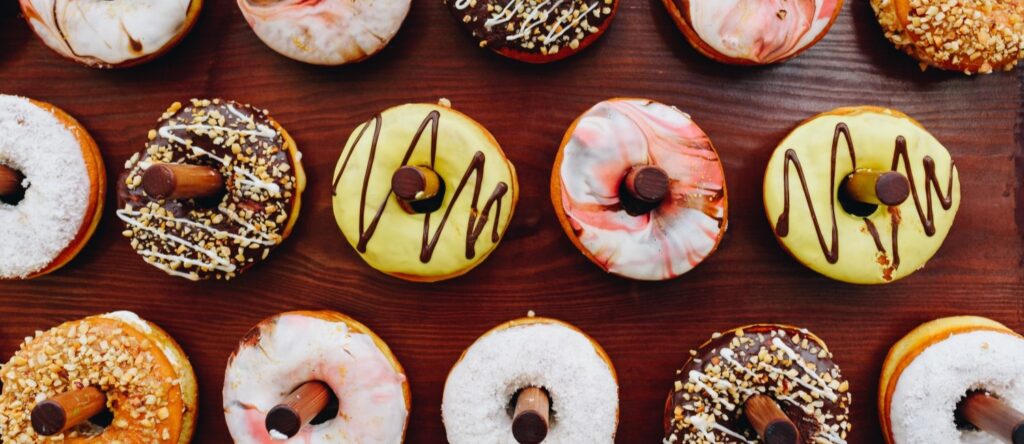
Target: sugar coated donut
535,31
111,33
569,366
136,370
934,367
325,32
639,189
423,192
973,36
822,215
290,349
753,32
52,187
792,367
218,187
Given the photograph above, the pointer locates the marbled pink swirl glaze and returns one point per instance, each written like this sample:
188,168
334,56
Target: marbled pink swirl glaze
762,31
296,348
607,141
325,32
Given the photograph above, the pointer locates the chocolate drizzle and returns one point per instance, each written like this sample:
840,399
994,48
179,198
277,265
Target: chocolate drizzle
477,219
900,155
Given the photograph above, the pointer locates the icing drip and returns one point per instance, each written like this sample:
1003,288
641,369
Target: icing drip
900,157
477,219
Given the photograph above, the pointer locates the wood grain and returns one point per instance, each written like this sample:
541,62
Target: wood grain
647,328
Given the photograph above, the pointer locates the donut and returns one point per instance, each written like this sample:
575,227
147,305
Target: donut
572,370
218,187
972,36
111,33
753,32
886,190
639,189
934,368
790,367
115,361
52,187
325,32
293,348
534,31
423,192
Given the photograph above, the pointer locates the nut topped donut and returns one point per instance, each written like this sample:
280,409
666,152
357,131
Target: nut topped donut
423,192
753,32
973,36
535,31
756,381
325,32
315,377
111,33
531,380
640,190
60,379
217,188
954,380
862,195
52,187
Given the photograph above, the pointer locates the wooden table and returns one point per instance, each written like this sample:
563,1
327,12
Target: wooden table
647,328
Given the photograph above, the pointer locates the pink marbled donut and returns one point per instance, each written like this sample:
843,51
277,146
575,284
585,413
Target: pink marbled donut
600,149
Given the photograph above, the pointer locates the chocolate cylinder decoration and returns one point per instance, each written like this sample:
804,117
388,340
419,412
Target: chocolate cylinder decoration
877,187
530,420
10,181
64,411
647,184
771,424
298,409
993,416
414,186
180,181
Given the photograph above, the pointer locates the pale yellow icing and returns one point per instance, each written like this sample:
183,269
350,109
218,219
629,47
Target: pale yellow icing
395,247
874,132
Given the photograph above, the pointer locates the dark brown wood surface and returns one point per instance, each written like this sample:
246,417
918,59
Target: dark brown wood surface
647,328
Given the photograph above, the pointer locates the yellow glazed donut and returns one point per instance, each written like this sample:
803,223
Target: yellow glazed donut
145,377
855,242
443,220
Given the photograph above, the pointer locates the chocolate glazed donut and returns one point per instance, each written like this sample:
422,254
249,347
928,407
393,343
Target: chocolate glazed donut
247,211
790,365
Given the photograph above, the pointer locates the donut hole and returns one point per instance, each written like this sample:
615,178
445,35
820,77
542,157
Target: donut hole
851,205
103,419
329,412
510,408
12,185
958,414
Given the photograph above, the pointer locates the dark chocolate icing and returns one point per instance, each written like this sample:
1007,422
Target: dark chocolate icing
711,384
900,156
260,192
571,24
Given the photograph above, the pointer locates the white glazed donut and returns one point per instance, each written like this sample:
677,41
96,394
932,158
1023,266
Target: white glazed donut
325,32
111,33
532,352
930,371
64,186
293,348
